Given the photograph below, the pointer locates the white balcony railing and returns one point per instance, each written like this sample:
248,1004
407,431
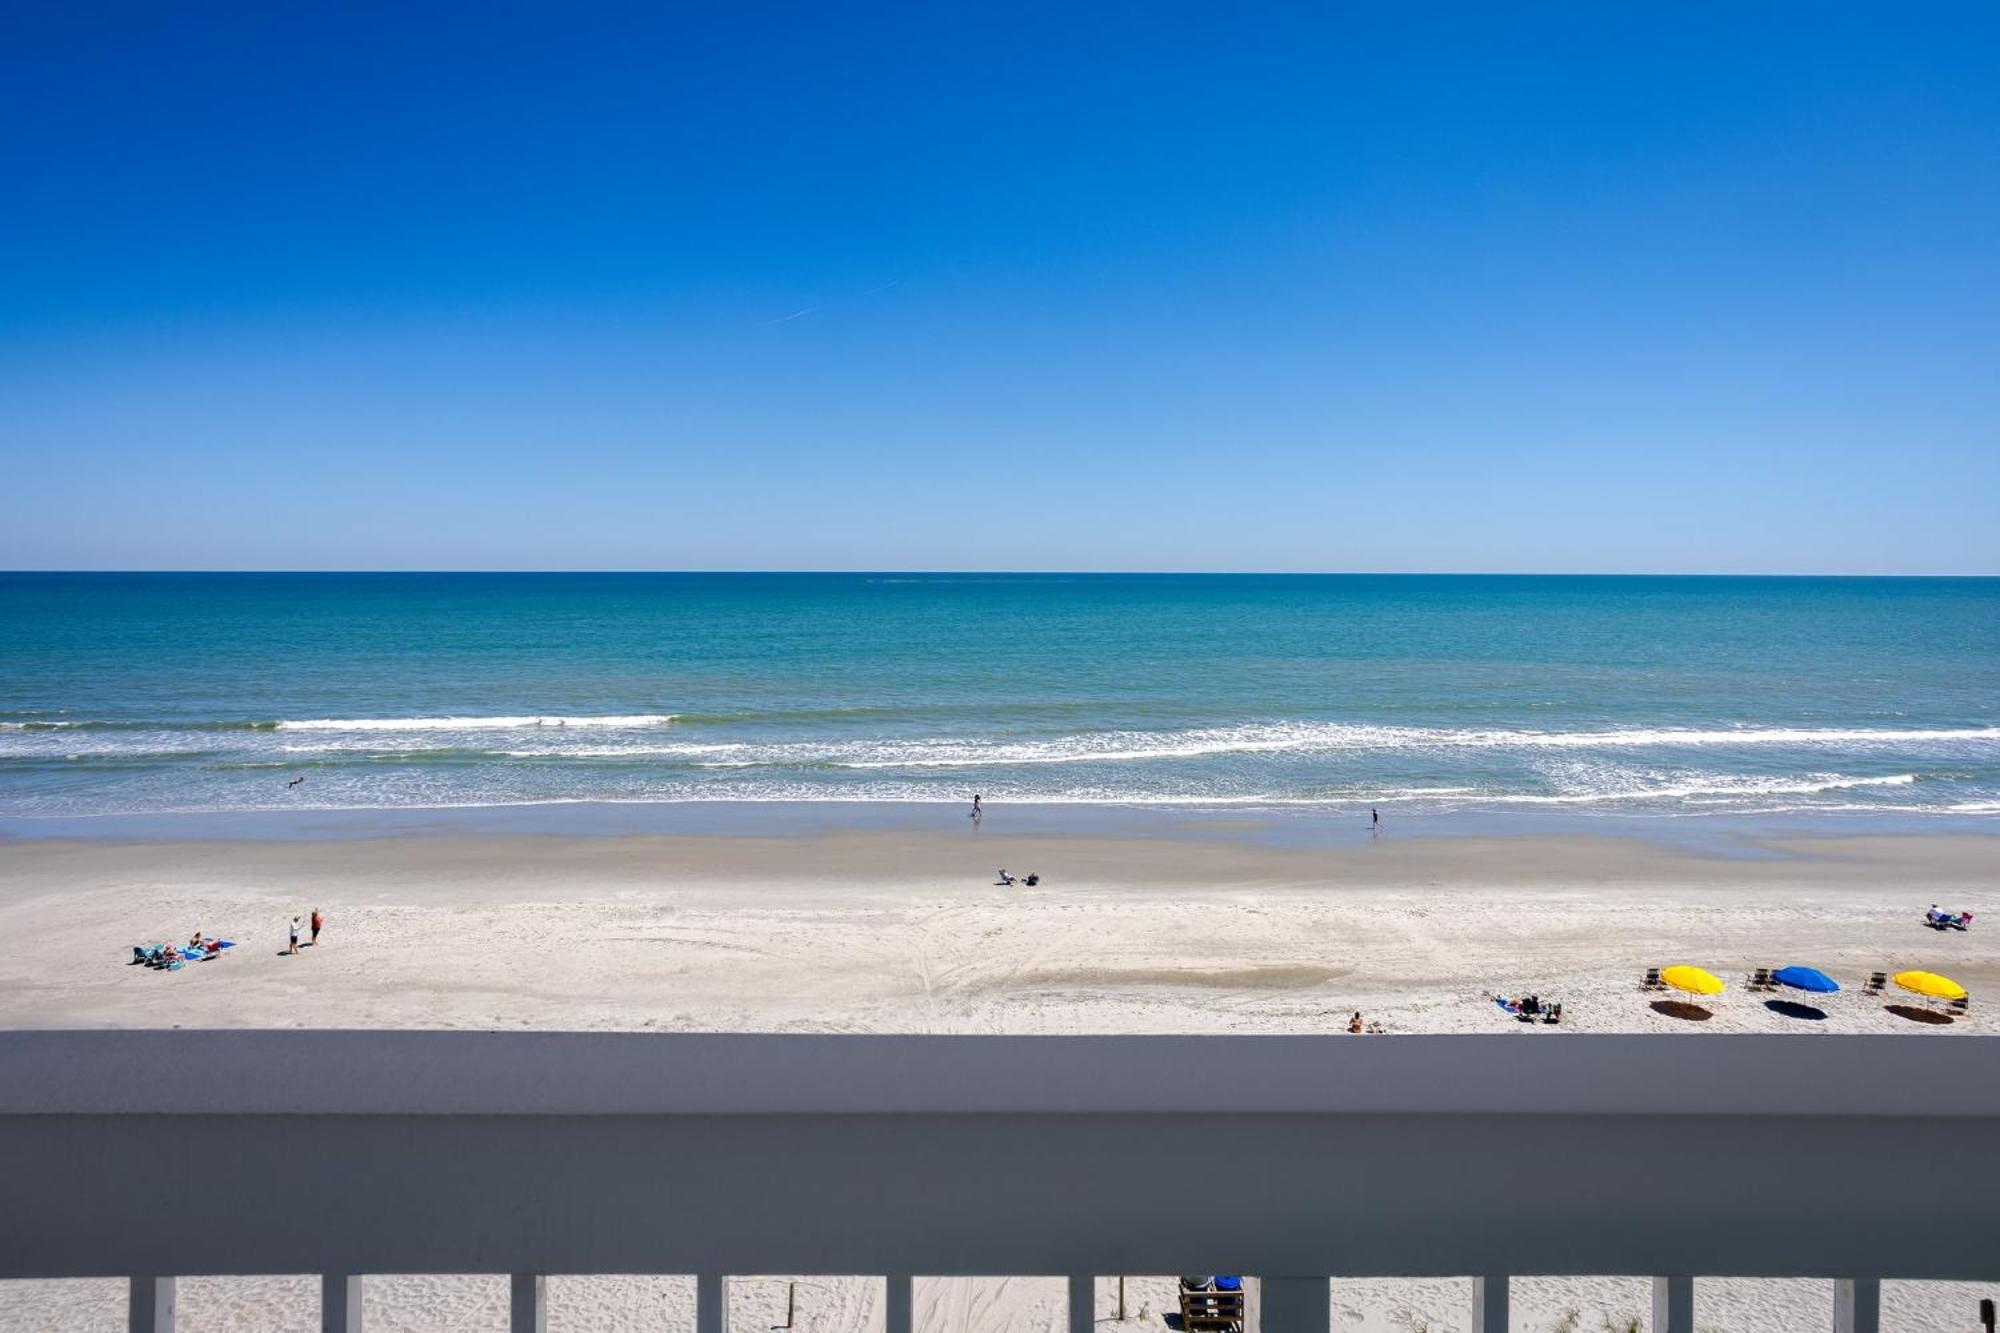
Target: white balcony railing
1295,1158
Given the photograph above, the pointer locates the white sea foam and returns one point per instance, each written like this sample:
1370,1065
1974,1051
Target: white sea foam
1278,738
1326,737
1721,786
472,723
477,760
585,738
621,752
1307,738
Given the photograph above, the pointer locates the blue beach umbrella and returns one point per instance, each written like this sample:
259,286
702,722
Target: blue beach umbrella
1806,979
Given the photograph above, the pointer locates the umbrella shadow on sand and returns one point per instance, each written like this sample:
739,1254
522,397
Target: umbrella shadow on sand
1682,1009
1795,1009
1917,1014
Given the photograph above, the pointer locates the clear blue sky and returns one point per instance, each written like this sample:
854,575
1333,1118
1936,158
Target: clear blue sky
1333,287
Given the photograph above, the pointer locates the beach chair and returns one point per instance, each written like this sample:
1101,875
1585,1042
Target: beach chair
1959,1007
1877,983
1760,980
1651,981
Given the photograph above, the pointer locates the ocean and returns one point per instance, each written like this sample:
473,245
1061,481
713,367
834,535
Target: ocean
146,693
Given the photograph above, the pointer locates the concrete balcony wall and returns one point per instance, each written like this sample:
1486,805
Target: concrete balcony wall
350,1153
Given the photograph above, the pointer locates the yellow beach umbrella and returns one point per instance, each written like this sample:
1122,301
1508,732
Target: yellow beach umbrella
1929,984
1692,980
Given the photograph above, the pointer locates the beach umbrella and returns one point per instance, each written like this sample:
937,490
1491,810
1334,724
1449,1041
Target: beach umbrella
1806,979
1930,985
1692,980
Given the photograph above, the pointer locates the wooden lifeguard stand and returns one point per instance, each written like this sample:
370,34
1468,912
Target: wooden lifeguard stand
1208,1310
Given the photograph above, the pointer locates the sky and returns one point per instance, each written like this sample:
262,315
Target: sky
1335,286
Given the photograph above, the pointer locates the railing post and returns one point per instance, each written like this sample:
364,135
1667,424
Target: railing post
1673,1305
150,1306
1857,1305
1082,1303
711,1303
1489,1304
1293,1305
896,1309
529,1308
339,1303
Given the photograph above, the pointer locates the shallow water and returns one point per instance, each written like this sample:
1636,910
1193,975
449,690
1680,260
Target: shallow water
1426,694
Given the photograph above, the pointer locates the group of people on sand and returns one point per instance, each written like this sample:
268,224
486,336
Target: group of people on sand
316,921
1938,919
1529,1008
199,948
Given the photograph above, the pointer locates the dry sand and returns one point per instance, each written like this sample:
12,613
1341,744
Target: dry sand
896,931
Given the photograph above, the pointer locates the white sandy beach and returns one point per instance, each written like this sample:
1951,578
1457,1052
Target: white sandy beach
901,932
897,931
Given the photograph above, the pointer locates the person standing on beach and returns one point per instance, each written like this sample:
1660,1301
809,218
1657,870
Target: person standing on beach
1374,820
976,811
294,946
317,922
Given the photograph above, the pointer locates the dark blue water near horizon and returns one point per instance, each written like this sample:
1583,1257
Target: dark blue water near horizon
129,693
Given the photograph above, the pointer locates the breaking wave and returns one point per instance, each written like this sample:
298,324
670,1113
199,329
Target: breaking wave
626,720
1708,786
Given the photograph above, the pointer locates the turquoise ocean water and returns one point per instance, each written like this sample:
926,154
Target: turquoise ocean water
123,694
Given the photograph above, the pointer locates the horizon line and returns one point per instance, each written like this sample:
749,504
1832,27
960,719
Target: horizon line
1015,573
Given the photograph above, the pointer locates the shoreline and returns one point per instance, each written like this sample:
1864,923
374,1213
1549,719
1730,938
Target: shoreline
1306,826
